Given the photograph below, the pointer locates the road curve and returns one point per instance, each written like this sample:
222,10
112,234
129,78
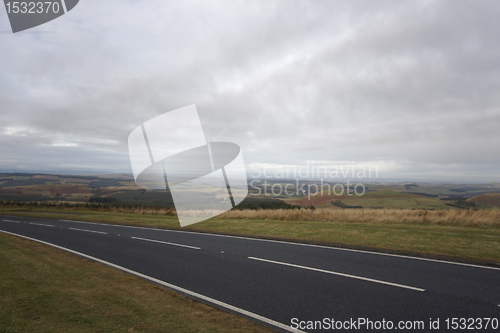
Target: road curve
289,286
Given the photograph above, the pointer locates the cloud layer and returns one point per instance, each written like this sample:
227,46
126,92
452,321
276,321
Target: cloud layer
413,87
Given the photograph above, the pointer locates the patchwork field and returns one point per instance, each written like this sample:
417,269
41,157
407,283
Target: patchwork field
377,200
121,190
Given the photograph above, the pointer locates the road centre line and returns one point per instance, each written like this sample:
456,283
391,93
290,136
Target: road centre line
171,286
298,244
339,274
157,241
11,221
45,225
97,232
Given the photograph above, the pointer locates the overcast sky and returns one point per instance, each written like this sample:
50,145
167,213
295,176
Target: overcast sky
412,87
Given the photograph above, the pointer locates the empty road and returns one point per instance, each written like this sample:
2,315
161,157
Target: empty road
289,286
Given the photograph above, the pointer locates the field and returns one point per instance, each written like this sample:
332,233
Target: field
490,199
378,199
121,189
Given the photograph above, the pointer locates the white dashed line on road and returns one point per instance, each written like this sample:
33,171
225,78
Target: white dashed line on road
44,225
157,241
339,274
97,232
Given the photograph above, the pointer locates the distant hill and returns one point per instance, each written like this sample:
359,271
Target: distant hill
489,199
377,199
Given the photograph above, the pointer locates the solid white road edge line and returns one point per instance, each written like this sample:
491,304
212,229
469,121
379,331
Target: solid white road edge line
97,232
157,241
299,244
339,274
11,221
45,225
168,285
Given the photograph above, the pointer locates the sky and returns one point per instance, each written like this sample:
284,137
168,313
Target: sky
411,88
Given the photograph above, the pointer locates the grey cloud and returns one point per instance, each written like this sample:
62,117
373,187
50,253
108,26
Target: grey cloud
411,83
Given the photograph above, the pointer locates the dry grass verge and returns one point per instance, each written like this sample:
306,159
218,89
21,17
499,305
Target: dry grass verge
454,217
438,217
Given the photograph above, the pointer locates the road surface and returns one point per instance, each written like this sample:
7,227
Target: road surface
289,286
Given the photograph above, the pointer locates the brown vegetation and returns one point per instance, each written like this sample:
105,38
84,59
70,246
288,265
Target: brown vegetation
100,207
445,217
458,217
139,210
490,199
50,189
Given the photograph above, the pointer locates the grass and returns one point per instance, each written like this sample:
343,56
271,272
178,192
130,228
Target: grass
471,235
51,188
382,198
400,201
432,190
47,290
452,217
20,177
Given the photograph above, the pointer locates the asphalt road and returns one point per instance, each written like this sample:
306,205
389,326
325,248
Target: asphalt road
288,285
